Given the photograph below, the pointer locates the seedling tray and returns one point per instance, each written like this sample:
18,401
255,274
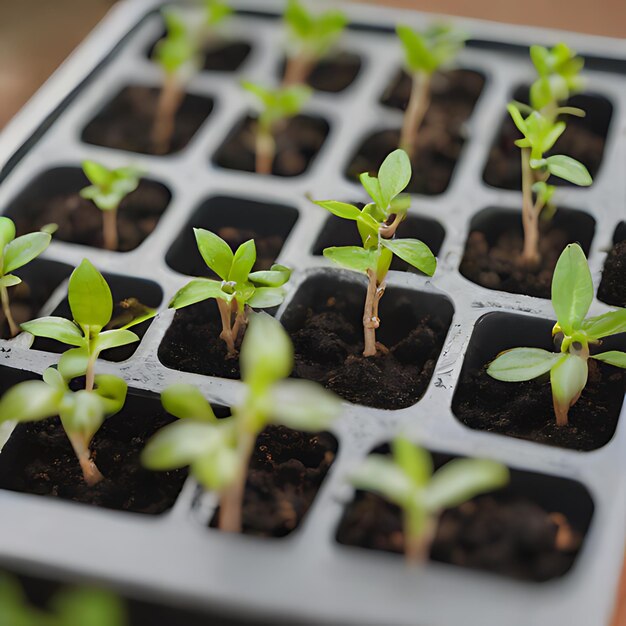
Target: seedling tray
308,576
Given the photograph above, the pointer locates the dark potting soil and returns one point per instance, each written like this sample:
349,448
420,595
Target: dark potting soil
226,56
334,73
440,137
125,123
297,143
524,410
38,459
612,289
582,140
192,343
285,473
80,221
501,533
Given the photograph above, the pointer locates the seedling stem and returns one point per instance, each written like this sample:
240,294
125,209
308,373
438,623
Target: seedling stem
419,102
6,309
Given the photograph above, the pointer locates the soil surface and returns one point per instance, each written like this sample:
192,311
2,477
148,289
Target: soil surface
612,289
39,459
328,349
126,122
505,534
226,56
525,410
286,471
440,137
80,221
334,73
297,143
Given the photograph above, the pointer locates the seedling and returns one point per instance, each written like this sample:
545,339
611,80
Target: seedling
407,480
239,290
177,54
539,135
219,451
424,54
377,223
276,106
572,294
91,304
16,252
215,13
311,37
107,190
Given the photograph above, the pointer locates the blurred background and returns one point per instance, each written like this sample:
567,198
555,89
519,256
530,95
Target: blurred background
37,35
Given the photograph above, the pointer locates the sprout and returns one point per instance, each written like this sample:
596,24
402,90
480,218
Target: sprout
177,54
107,190
91,304
408,481
377,223
219,451
239,289
424,54
310,39
215,13
572,294
82,412
539,135
276,106
16,252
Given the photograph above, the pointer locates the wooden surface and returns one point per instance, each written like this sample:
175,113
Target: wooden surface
619,618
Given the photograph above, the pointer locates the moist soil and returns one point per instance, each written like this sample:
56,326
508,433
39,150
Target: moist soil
328,349
38,459
612,289
297,142
126,122
80,221
524,410
226,56
440,138
333,74
501,533
285,473
498,266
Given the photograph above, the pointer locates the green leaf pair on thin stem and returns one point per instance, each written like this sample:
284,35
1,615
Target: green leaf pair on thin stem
15,252
408,480
572,295
219,451
239,288
377,223
276,106
311,37
107,190
424,54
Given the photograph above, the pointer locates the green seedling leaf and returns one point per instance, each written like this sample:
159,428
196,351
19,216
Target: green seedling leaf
179,48
414,252
517,118
82,414
198,290
276,276
569,169
89,297
521,364
53,377
352,257
57,328
215,251
187,402
109,186
218,470
114,339
372,186
216,12
393,176
380,474
568,378
30,401
7,231
73,363
612,357
303,405
340,209
98,174
243,262
266,297
88,607
414,461
112,392
601,326
10,280
24,249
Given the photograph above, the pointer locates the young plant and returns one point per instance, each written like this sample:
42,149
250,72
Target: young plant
177,54
239,288
311,37
424,54
81,412
539,135
572,294
407,480
15,253
107,190
215,13
377,223
276,107
219,451
91,305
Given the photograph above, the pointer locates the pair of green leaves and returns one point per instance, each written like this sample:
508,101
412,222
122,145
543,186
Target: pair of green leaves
408,480
313,35
91,304
261,289
210,446
572,295
109,186
18,251
177,52
426,52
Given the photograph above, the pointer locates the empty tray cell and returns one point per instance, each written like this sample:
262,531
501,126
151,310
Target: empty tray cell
129,294
612,289
333,73
53,198
494,246
583,140
126,121
324,320
525,410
